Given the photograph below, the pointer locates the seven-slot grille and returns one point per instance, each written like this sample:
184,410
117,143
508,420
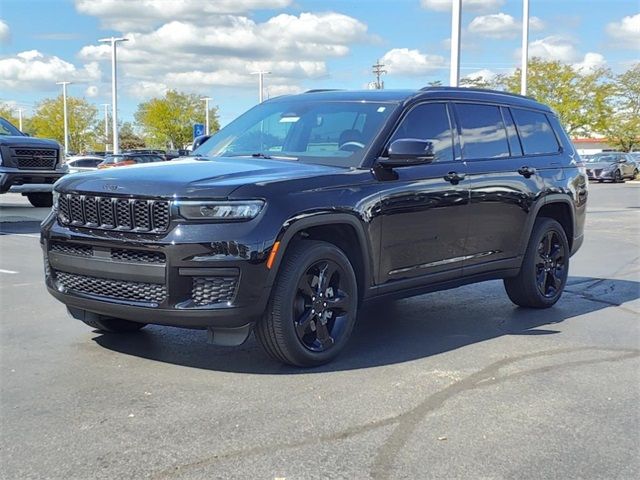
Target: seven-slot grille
35,158
115,289
212,290
113,213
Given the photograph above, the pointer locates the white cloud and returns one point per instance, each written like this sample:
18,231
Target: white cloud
403,61
276,90
626,31
32,70
484,74
145,89
554,47
91,91
139,15
501,25
590,62
189,56
5,32
475,5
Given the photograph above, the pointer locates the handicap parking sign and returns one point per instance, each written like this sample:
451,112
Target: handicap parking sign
198,130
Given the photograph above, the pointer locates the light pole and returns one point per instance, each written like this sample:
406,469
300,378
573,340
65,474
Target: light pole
206,114
114,90
20,118
525,47
106,127
64,113
454,69
261,74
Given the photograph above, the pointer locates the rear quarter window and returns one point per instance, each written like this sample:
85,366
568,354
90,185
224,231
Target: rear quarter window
536,134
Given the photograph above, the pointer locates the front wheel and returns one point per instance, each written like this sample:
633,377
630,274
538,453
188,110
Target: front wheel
313,306
617,177
40,199
545,267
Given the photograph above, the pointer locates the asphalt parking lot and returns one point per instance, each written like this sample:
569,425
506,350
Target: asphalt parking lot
456,384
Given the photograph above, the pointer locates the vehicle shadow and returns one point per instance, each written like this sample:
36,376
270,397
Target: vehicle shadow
11,228
391,332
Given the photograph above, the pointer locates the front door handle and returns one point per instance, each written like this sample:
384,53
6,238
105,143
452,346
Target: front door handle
526,172
454,177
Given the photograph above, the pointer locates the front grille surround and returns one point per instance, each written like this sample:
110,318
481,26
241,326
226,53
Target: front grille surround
119,290
114,213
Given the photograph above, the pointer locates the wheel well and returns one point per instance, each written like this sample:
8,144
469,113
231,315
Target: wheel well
561,213
344,237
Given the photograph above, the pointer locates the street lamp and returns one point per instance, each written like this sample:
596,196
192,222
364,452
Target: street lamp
206,113
454,69
261,74
106,126
64,113
114,93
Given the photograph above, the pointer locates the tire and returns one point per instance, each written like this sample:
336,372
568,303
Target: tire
634,175
291,330
114,325
40,199
545,267
617,177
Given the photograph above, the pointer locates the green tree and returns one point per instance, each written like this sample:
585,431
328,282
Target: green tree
579,97
128,139
168,121
48,122
8,113
475,82
623,127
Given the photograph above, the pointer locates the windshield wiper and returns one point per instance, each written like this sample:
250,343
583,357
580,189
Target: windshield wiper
261,155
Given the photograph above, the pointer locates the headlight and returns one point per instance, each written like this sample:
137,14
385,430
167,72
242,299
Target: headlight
222,211
56,197
0,156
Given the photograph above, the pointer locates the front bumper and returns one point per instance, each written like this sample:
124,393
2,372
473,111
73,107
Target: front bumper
192,276
28,181
599,174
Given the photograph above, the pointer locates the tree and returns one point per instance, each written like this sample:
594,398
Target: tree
623,127
48,121
128,139
475,82
8,113
168,121
579,97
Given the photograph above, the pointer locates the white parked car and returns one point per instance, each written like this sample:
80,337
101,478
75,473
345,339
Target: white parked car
83,163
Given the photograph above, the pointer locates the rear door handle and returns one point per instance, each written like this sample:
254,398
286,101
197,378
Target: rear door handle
454,178
526,172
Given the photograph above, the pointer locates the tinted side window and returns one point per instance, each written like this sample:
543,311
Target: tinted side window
429,121
536,134
483,132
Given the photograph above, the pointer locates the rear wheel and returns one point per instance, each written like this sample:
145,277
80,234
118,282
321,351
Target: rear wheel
634,175
40,199
113,325
545,267
313,306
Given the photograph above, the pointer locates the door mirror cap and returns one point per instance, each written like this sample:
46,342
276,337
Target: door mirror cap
408,151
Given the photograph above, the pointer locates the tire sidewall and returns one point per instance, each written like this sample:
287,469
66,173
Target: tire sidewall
286,290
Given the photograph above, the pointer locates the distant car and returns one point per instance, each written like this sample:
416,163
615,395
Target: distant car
611,166
83,163
126,159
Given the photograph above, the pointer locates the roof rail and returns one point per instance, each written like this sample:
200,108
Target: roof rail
479,90
316,90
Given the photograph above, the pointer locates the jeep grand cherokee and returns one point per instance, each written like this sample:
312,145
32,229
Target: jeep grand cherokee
305,207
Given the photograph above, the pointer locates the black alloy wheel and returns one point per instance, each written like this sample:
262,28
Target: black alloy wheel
550,264
545,267
617,177
313,305
322,306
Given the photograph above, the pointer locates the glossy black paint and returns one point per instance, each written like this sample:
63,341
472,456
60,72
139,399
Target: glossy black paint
415,228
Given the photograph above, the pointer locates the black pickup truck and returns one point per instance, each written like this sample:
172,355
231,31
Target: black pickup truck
28,165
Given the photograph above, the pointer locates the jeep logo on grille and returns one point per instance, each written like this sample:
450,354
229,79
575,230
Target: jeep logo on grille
111,187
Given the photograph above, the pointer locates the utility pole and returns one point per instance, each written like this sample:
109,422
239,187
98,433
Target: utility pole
20,118
454,69
261,74
206,114
106,127
525,47
378,71
114,90
64,112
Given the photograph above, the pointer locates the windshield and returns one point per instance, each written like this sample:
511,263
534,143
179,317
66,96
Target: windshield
7,129
603,158
324,132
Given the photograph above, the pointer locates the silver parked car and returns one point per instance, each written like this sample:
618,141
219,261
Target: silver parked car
611,166
83,163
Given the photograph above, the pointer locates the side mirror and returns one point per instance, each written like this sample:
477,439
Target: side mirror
199,141
408,151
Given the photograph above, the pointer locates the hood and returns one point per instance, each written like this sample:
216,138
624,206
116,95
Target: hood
189,177
24,141
599,165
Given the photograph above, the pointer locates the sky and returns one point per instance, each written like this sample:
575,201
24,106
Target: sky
210,47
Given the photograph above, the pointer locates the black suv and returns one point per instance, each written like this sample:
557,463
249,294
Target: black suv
28,165
288,219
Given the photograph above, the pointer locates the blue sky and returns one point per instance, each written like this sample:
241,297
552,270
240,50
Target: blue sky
210,47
